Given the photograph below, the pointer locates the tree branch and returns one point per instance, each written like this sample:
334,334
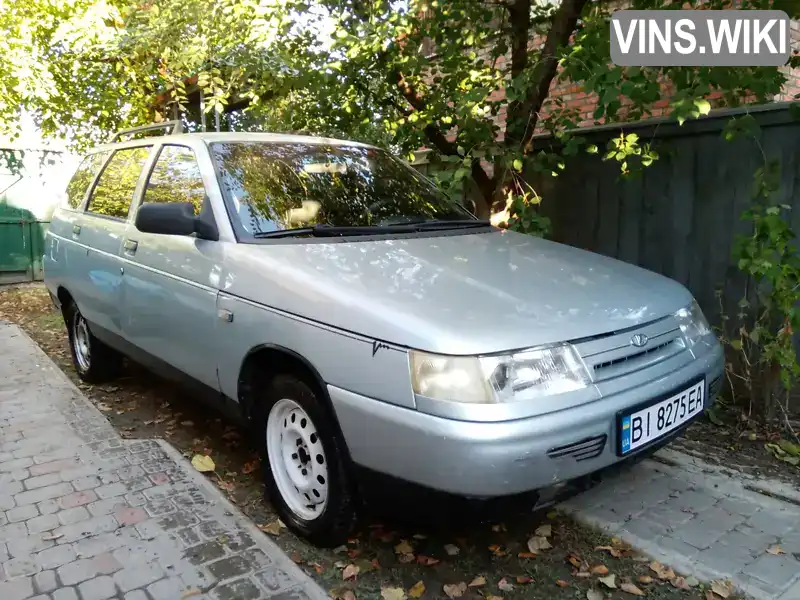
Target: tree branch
439,140
523,116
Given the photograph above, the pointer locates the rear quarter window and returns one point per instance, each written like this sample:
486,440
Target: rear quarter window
82,179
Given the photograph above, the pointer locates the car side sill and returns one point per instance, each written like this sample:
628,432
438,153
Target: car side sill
208,395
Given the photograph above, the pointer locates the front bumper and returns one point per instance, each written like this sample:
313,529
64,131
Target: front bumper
482,459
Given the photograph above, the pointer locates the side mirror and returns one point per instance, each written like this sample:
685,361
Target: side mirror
174,218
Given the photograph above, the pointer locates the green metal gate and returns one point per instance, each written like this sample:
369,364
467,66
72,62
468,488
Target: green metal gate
21,245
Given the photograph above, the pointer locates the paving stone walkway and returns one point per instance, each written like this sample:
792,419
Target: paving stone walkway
703,520
87,515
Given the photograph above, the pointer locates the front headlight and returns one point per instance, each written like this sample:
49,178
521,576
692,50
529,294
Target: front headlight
491,379
693,323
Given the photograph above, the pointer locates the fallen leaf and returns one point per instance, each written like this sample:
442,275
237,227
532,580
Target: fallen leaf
451,549
663,572
340,564
544,530
789,447
417,590
524,579
49,537
722,588
297,558
611,550
599,570
526,555
455,590
631,589
348,595
552,514
427,561
497,550
190,593
594,595
646,579
692,581
317,567
104,407
419,536
202,463
340,549
538,543
187,423
504,585
403,548
364,566
499,527
561,583
273,528
249,467
405,558
775,550
353,553
350,572
491,597
609,581
582,574
393,593
574,561
479,581
680,583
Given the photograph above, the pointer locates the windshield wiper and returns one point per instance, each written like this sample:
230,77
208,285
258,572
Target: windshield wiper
333,231
336,231
448,224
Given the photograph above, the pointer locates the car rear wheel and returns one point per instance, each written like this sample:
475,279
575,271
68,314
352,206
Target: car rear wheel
94,361
303,463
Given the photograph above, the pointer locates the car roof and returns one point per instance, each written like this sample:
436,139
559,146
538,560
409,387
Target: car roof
214,136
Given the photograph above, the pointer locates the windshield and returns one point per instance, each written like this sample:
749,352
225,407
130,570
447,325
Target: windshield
275,186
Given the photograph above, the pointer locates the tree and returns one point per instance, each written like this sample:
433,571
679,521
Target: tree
490,58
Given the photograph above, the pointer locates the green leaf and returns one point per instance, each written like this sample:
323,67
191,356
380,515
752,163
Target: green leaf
789,447
703,106
517,164
712,415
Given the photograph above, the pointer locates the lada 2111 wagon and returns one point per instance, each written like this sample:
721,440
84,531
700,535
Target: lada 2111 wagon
361,321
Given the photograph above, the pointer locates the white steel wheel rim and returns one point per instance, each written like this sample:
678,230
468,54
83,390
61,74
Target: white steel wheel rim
80,339
297,459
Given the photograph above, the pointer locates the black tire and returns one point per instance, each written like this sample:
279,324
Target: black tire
338,519
103,362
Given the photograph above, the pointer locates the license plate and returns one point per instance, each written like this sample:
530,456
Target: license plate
640,428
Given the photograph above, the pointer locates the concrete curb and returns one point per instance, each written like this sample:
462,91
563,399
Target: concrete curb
310,586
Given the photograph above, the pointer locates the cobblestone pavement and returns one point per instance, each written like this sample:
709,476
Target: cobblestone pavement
703,520
87,515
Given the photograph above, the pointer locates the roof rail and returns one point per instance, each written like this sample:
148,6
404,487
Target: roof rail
170,127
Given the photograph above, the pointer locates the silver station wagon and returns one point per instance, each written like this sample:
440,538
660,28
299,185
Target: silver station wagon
362,322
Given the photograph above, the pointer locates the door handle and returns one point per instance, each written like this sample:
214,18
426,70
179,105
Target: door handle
76,230
130,246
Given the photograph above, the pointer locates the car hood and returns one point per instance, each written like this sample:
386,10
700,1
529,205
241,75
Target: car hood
468,293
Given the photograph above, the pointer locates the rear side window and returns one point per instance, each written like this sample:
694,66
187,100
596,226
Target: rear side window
176,178
113,193
82,179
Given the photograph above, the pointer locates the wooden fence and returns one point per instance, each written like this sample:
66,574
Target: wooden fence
681,215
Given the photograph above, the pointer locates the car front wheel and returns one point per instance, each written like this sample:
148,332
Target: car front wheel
304,464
